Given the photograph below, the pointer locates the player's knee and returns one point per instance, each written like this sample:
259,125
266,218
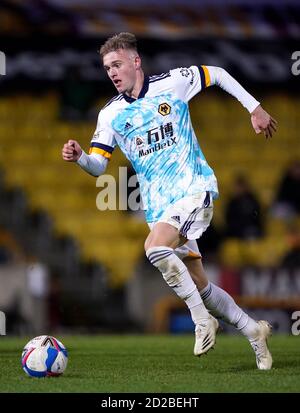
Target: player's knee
150,243
160,257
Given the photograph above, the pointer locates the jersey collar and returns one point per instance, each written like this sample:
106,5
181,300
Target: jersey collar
142,94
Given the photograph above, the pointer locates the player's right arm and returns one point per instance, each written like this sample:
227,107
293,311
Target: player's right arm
102,146
93,164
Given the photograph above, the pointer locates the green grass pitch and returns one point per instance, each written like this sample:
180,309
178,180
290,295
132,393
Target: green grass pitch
156,364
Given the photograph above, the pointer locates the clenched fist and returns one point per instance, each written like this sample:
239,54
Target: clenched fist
71,151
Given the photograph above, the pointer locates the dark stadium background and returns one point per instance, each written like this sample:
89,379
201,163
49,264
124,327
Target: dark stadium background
65,266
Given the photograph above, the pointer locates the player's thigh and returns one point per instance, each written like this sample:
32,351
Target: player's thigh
196,270
165,235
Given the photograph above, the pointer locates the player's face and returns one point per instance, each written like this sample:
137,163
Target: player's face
121,66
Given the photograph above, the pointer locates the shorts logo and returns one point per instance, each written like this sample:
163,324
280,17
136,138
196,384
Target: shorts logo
164,109
176,218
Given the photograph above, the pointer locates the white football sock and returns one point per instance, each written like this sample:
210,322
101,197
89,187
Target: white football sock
176,275
223,306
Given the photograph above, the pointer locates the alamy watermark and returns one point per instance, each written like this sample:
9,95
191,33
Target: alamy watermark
2,64
114,195
296,324
296,65
2,324
123,193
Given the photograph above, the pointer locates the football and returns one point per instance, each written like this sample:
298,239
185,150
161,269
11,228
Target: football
44,356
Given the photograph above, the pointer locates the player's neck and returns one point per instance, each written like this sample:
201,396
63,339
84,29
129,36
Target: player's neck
134,93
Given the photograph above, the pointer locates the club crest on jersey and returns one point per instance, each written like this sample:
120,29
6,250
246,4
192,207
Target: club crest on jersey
164,109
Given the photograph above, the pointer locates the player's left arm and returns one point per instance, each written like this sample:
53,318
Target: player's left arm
260,119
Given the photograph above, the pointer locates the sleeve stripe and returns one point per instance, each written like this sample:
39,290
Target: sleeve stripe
100,152
106,148
207,76
202,77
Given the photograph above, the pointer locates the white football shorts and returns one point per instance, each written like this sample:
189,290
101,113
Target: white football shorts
191,216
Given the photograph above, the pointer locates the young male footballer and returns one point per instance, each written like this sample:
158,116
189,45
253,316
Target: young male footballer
149,119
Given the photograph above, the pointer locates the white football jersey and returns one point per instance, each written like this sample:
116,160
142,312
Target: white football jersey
156,135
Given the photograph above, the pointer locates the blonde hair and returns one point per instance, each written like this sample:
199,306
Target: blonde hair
122,40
